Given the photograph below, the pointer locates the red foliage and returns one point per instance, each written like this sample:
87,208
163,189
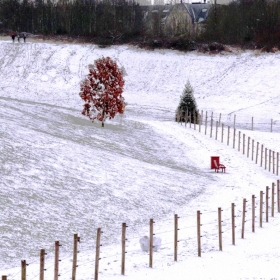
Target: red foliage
102,90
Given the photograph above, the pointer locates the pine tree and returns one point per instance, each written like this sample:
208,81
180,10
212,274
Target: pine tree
187,109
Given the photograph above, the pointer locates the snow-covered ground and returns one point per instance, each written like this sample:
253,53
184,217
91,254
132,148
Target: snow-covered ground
61,174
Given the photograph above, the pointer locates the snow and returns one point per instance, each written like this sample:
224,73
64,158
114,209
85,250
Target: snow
61,174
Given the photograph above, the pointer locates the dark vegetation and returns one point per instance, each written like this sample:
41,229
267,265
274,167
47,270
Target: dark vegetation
251,24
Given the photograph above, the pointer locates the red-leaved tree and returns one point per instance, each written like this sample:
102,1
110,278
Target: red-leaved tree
102,90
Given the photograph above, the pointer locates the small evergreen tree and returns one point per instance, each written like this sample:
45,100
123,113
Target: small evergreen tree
187,109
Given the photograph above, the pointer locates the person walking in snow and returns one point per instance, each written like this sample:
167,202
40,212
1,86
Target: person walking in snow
13,35
18,37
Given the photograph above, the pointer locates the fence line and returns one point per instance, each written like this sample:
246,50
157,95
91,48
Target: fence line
269,159
227,225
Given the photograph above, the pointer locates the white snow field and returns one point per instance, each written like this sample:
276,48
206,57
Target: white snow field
62,174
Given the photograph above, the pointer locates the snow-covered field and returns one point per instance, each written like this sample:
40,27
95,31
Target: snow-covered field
61,174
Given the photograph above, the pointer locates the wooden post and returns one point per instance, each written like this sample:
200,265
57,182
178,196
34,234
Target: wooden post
4,277
253,213
272,200
233,223
271,125
222,132
56,260
75,252
220,228
228,135
257,152
220,120
278,195
243,144
265,158
252,123
175,237
266,203
217,124
234,134
151,243
261,208
97,253
211,128
261,155
198,234
243,217
253,142
23,270
269,160
277,163
234,121
206,123
194,119
123,248
273,162
200,120
42,263
239,140
248,146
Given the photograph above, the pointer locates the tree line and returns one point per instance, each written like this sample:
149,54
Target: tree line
255,23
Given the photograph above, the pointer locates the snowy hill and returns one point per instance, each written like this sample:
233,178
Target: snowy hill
61,174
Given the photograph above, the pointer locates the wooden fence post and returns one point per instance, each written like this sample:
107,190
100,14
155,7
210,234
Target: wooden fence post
277,163
261,208
272,200
253,142
123,248
243,144
234,121
239,140
266,203
198,234
278,195
220,119
273,162
56,260
265,158
42,263
234,135
261,155
151,243
175,237
220,228
269,160
75,252
257,152
252,123
243,218
248,146
217,124
23,269
228,135
206,123
253,213
211,127
222,132
97,253
200,120
233,223
4,277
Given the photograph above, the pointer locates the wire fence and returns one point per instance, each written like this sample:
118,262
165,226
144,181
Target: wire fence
191,235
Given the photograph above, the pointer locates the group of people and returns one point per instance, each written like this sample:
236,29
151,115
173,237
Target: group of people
18,35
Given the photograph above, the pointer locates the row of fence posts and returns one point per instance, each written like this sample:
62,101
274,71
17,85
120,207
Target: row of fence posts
176,239
268,159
